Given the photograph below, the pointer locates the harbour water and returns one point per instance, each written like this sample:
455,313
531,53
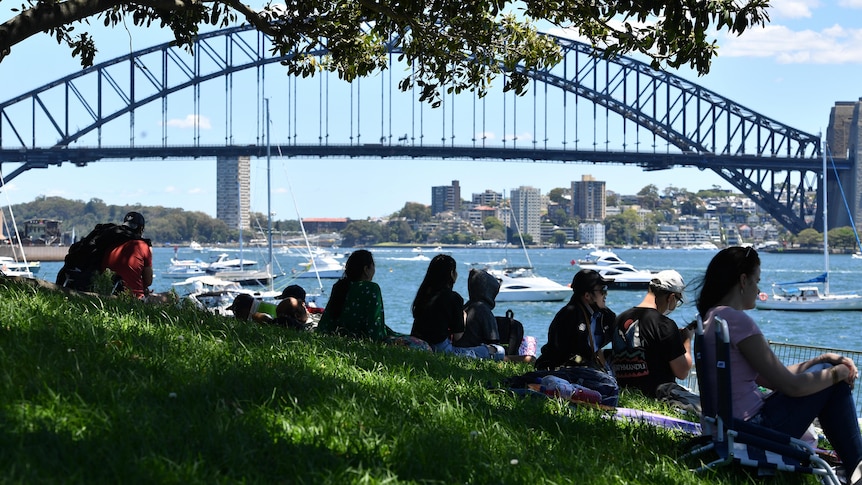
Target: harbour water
399,274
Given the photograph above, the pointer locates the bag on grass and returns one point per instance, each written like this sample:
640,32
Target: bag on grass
511,333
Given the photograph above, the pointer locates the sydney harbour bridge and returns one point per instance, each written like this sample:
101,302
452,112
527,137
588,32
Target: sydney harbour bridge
585,109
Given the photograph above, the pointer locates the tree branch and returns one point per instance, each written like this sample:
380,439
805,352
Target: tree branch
48,16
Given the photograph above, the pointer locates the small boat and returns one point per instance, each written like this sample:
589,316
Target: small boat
225,262
626,277
246,277
321,267
183,271
208,292
807,298
622,275
521,284
599,257
9,264
184,268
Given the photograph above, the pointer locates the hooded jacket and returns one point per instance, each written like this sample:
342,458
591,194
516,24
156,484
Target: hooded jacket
481,325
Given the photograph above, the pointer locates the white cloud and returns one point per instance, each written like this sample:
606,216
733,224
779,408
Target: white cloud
171,189
833,45
189,122
487,135
850,3
196,191
793,9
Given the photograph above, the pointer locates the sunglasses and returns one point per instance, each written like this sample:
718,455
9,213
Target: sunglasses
603,290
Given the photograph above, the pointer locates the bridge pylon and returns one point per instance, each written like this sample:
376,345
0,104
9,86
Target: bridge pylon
844,145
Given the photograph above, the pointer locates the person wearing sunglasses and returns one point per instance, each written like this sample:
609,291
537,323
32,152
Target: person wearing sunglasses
648,348
577,335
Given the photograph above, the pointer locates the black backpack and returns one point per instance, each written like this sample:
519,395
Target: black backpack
511,332
84,260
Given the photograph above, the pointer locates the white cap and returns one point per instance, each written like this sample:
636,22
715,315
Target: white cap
668,280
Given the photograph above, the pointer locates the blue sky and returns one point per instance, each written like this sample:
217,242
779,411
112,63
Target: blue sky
808,57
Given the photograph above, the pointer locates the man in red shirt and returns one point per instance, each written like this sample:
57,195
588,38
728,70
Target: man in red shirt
132,260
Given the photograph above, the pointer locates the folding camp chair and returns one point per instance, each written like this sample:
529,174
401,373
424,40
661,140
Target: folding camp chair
738,441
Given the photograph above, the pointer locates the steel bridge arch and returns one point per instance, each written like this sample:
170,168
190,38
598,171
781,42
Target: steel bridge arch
745,148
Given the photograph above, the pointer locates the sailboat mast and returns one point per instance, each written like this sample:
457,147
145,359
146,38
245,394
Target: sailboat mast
268,200
825,224
518,227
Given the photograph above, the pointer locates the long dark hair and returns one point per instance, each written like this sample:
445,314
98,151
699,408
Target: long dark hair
723,273
438,277
353,269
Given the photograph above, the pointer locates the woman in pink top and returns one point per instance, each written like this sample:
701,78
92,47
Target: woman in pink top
802,391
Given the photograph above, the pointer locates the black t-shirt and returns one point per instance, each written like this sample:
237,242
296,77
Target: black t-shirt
442,316
644,343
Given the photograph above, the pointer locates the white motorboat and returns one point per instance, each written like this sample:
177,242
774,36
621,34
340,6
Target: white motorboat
321,267
184,268
208,292
182,271
599,257
625,276
789,296
225,262
10,265
521,284
622,275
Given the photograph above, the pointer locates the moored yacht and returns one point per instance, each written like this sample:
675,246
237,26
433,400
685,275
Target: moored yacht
622,275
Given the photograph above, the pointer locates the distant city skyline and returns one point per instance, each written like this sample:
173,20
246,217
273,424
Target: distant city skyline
793,70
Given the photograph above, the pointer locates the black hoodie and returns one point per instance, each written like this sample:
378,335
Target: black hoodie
481,325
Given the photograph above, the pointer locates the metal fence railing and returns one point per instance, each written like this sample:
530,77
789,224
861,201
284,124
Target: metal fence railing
792,353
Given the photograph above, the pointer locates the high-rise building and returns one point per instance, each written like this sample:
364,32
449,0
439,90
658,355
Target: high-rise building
588,199
446,198
233,187
591,233
488,198
526,203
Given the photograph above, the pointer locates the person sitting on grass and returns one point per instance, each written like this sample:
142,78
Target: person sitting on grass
438,313
648,348
480,324
355,308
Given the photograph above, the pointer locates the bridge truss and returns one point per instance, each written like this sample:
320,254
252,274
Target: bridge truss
585,109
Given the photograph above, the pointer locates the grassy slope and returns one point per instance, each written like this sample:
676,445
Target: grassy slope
109,391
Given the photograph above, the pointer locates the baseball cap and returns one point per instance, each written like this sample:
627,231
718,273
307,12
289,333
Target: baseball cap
295,291
668,280
587,279
134,220
241,304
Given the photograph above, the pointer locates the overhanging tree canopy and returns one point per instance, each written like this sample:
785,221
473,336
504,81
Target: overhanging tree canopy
453,44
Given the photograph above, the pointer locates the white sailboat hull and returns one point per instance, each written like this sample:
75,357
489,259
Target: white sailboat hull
812,304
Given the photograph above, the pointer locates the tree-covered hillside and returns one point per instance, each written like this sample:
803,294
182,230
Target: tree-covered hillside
164,224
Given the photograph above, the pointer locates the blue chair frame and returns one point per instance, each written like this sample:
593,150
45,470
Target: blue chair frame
738,441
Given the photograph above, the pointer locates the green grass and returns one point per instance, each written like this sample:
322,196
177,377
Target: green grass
113,391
